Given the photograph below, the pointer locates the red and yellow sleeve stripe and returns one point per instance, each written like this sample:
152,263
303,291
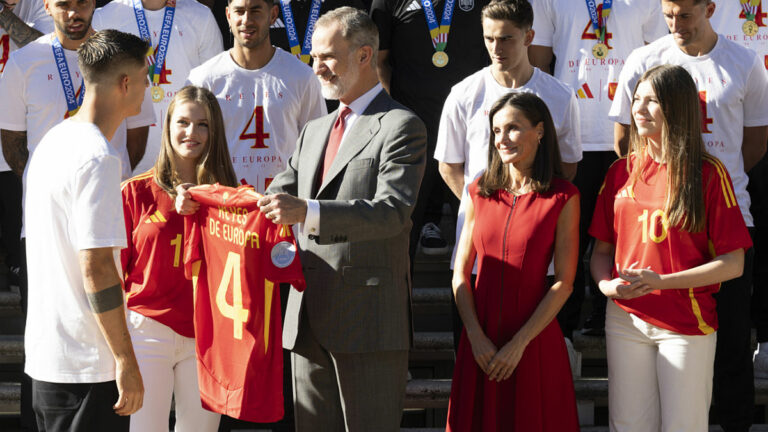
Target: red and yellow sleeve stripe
730,197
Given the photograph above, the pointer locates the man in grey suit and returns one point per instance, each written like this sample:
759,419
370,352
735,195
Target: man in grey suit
351,184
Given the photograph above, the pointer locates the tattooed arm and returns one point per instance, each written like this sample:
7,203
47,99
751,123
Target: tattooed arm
18,30
15,149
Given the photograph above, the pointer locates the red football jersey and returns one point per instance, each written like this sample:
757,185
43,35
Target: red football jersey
237,258
633,219
152,263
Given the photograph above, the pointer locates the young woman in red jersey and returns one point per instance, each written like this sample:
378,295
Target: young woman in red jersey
668,230
512,371
158,296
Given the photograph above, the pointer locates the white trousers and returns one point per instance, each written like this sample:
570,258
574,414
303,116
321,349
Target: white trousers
658,380
169,368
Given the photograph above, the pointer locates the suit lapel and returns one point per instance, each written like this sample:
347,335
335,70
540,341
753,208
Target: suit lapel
363,130
312,156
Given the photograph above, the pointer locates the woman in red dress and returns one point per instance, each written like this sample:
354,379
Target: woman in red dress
512,371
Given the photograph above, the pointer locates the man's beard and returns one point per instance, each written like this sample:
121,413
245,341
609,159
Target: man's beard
76,35
341,86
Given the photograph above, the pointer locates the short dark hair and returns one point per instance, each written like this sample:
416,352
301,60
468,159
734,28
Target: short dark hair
519,12
546,163
103,54
269,3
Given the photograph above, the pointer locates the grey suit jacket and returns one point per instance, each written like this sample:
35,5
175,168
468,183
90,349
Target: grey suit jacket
357,297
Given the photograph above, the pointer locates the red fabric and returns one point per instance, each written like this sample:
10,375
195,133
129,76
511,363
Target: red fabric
624,216
239,346
153,261
334,140
514,239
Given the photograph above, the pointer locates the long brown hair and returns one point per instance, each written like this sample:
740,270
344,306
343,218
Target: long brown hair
546,163
214,165
682,147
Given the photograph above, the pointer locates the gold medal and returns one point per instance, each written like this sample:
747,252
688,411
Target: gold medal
440,59
157,94
600,50
749,28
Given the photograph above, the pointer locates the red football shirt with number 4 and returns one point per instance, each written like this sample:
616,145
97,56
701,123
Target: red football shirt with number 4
236,259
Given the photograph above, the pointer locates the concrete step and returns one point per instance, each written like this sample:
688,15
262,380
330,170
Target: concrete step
754,428
434,393
433,341
435,350
432,296
432,271
593,347
9,300
11,349
10,394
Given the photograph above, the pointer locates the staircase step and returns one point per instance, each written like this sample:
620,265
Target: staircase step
433,341
426,393
713,428
432,296
10,394
9,300
11,349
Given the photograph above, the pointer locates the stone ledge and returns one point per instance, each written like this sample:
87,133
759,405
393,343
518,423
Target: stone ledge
432,295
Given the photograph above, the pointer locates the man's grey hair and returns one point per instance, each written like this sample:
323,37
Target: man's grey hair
357,28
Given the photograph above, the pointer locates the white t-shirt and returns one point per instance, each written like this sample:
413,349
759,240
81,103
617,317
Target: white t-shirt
729,18
33,11
72,203
732,81
35,18
464,130
195,38
264,110
565,26
33,98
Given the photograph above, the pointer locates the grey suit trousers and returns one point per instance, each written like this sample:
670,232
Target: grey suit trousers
346,391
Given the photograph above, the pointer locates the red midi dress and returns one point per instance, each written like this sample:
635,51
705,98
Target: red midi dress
514,236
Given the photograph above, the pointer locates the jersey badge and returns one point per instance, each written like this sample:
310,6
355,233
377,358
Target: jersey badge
283,254
466,5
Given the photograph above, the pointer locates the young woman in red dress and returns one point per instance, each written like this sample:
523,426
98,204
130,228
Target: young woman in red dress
512,371
668,230
158,296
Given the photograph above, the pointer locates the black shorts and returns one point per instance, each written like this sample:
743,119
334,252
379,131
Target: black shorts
77,407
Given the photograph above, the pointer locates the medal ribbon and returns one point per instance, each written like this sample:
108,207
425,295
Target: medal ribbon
750,8
300,51
598,22
439,34
156,64
73,100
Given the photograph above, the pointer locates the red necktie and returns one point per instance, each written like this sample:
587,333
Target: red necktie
334,141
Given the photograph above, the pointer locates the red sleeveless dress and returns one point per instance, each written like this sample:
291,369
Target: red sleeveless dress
514,237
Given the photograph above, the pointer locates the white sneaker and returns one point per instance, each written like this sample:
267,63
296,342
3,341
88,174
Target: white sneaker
760,364
574,357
